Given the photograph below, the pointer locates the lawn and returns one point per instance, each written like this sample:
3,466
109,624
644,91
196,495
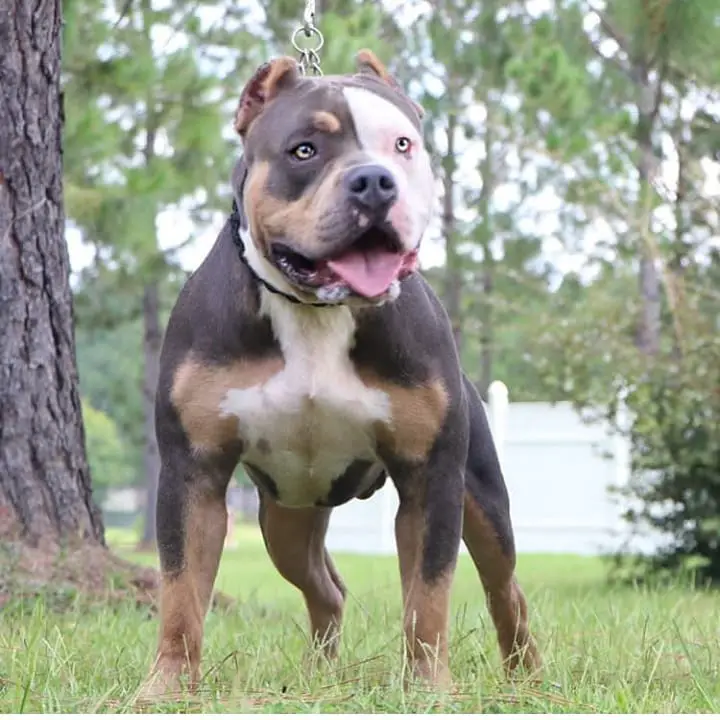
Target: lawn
605,650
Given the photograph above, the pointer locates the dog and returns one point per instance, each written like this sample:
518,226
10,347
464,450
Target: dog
308,348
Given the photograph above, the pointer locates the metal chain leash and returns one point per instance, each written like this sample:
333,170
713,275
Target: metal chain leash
309,47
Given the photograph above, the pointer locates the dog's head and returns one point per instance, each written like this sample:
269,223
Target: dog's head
335,186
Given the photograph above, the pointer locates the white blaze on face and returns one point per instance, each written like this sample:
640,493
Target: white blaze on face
379,123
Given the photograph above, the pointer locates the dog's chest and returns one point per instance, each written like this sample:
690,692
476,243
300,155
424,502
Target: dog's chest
308,423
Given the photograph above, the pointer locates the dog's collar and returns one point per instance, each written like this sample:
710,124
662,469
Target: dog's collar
240,245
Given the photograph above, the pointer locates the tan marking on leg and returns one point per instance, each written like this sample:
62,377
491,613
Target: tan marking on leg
417,417
505,599
295,540
198,390
426,607
327,122
185,596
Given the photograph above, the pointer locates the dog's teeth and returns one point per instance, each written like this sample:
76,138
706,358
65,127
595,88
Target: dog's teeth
394,290
334,293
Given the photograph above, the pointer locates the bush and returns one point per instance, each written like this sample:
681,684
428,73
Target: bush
675,478
586,354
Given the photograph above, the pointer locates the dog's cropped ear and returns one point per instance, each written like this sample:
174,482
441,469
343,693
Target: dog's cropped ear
269,79
368,63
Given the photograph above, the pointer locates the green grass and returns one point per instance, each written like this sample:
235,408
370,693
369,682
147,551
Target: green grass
605,649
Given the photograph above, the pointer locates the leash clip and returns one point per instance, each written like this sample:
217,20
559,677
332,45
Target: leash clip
313,41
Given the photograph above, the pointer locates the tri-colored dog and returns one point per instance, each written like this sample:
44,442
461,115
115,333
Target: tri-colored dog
307,348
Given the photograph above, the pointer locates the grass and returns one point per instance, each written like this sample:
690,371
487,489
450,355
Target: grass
605,649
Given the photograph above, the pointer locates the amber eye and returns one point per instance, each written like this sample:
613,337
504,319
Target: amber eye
303,151
403,145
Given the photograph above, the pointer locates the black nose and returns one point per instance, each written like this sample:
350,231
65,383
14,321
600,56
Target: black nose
371,189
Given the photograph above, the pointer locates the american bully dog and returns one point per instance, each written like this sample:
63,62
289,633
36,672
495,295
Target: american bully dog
308,348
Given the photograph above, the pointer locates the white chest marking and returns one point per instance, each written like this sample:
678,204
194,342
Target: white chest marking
315,416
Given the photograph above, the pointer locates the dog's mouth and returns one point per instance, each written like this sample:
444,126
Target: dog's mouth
368,268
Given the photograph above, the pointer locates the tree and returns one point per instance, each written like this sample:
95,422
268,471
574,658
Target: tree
638,92
45,492
492,278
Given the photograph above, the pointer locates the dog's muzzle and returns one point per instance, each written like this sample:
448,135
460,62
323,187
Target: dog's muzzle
372,261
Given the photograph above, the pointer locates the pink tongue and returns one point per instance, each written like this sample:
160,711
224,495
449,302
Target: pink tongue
368,273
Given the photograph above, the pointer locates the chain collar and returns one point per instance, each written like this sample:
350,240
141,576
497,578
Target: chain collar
309,47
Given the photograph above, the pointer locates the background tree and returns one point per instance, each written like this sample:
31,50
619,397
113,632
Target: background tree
108,462
654,344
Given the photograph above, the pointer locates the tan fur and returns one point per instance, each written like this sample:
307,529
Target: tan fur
417,417
327,122
295,540
270,217
426,607
505,599
366,60
185,596
198,391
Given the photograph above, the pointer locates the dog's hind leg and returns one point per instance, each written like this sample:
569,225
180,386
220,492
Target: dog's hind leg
488,535
295,541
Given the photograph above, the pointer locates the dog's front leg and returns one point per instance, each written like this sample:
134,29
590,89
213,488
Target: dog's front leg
191,527
428,528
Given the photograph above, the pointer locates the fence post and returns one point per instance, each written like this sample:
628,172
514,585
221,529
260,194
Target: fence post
498,403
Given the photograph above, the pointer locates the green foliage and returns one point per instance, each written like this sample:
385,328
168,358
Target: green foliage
148,113
346,35
676,467
110,465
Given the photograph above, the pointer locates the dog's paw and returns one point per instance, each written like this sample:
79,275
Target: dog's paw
164,685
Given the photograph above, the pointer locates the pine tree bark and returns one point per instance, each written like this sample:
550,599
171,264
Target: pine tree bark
45,490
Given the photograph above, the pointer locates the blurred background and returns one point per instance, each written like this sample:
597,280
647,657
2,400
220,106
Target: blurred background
576,243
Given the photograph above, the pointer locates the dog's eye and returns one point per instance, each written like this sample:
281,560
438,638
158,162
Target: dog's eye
403,145
303,151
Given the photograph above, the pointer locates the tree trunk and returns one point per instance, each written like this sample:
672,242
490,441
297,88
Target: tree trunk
453,270
45,492
152,344
648,334
488,262
649,326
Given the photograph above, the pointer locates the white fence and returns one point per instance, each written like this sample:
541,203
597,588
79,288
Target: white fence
558,470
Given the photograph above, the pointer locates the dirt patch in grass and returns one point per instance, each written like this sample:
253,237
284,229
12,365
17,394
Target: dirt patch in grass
81,570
